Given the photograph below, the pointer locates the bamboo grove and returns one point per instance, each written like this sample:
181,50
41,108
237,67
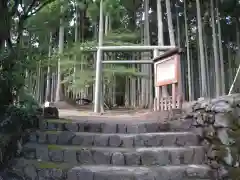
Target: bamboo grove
48,48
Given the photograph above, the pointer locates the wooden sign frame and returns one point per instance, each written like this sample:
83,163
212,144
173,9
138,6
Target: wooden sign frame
172,60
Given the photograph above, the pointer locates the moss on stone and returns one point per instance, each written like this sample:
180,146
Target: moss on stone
54,147
234,125
59,120
234,173
234,134
4,139
214,141
51,165
221,116
47,165
220,153
52,132
234,154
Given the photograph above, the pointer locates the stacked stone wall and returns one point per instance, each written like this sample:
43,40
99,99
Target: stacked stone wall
217,123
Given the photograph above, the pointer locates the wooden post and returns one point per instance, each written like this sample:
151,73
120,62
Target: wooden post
174,95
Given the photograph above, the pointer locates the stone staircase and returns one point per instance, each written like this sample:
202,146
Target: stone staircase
113,150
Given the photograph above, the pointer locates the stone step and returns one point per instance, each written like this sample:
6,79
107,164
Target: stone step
129,127
115,140
160,156
46,170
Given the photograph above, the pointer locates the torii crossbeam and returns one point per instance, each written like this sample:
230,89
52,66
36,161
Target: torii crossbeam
99,62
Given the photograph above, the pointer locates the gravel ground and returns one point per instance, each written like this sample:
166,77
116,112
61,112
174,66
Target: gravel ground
67,111
122,116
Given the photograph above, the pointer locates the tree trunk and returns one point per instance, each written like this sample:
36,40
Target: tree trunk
133,90
238,39
188,53
170,24
215,52
230,66
220,50
38,82
59,92
201,49
192,71
237,61
146,69
76,35
53,87
127,93
178,27
161,38
48,87
171,35
160,23
198,74
207,62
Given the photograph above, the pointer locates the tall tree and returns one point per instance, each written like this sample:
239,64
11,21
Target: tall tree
201,49
215,51
188,52
59,90
10,49
170,23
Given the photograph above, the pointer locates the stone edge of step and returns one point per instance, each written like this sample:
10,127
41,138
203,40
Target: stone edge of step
116,156
119,134
34,169
117,126
115,139
110,149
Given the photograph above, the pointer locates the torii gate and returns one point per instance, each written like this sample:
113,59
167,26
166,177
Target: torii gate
99,62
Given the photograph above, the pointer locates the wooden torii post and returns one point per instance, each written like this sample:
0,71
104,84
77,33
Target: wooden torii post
167,71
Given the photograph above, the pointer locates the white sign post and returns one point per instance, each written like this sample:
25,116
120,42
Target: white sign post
167,72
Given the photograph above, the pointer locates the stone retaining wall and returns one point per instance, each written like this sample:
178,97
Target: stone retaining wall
11,147
217,122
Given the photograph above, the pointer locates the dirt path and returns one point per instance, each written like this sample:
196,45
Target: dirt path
122,113
67,111
114,116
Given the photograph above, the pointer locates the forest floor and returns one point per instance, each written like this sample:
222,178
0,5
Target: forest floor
66,109
120,114
82,113
116,115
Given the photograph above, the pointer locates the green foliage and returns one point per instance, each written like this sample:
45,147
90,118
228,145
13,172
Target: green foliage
27,101
22,116
77,61
93,11
81,54
46,18
15,125
123,36
19,119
